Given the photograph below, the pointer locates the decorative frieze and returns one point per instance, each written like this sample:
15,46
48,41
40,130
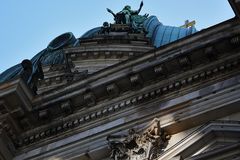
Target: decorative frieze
144,97
102,54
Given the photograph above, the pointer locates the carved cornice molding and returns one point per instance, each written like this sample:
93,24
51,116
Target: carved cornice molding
139,99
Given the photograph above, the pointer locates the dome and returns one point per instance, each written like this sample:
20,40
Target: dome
158,33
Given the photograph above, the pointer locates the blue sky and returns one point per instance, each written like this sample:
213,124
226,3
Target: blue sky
28,26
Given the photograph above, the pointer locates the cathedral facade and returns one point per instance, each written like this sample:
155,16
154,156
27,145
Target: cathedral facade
135,89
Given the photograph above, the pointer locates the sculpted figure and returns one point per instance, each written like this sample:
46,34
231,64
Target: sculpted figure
124,16
154,132
146,144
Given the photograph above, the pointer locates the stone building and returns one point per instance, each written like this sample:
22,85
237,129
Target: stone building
132,90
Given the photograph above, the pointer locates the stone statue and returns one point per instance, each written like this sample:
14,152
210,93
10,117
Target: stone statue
30,74
124,16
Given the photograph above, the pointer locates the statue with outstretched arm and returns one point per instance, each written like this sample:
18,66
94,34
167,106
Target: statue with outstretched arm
124,16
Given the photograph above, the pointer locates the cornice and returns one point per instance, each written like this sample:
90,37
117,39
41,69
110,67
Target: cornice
155,94
173,51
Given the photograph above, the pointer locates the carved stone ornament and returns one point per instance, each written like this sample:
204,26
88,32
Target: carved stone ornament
144,145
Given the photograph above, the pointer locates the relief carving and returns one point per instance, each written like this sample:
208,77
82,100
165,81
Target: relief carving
144,145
